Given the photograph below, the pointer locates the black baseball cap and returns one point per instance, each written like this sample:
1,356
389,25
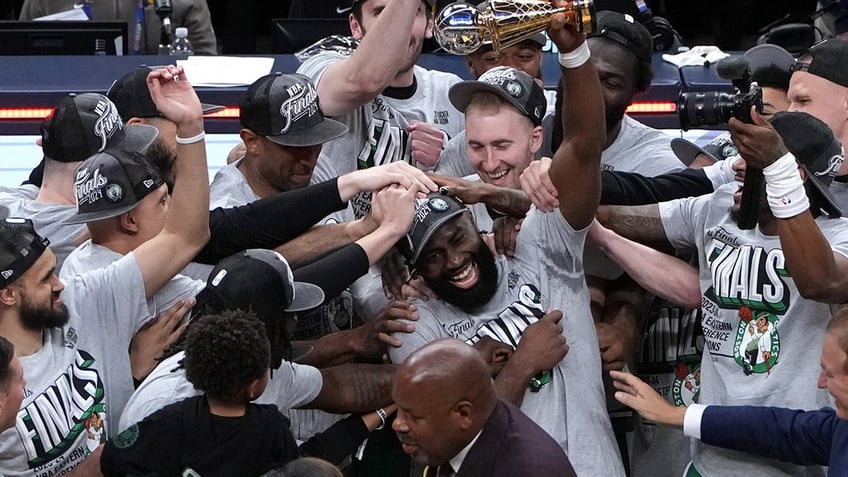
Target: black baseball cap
88,123
112,182
262,280
20,248
767,54
285,109
826,60
718,149
515,86
132,96
816,149
430,214
623,29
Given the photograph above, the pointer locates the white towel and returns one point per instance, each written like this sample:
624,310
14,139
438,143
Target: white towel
696,56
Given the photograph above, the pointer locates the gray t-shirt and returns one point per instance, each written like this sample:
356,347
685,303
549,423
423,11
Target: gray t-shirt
642,149
292,385
670,362
48,219
546,273
762,339
80,379
229,188
377,129
91,256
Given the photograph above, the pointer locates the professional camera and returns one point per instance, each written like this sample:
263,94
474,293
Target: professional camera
712,108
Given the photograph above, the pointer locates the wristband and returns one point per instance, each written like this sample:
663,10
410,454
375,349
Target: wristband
382,415
576,57
785,190
191,140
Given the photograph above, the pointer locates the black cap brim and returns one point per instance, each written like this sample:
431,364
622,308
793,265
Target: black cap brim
325,131
100,215
137,138
211,108
828,202
686,151
306,297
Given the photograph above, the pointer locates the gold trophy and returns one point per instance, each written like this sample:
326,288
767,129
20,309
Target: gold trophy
461,28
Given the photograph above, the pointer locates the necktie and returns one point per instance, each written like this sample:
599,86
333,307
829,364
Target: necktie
139,38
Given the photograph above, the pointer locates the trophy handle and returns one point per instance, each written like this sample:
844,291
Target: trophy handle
508,22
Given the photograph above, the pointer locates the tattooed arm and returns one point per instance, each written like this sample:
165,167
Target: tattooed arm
499,200
355,388
640,223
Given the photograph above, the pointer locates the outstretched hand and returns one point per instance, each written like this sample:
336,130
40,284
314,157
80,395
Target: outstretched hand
758,143
174,96
640,396
467,191
156,336
375,178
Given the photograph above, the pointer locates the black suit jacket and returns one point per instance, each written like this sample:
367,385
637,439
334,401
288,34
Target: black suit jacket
511,444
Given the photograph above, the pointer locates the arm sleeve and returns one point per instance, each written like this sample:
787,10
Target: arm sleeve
336,271
338,441
630,188
800,437
268,222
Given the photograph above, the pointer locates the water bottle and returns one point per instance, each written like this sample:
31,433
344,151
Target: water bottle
181,46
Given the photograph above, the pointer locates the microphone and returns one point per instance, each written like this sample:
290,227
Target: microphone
733,67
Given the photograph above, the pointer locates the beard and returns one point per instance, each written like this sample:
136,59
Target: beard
478,295
38,318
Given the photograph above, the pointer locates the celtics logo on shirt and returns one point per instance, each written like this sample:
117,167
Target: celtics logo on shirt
750,294
686,389
757,346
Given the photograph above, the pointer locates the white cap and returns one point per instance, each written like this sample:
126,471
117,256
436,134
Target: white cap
181,32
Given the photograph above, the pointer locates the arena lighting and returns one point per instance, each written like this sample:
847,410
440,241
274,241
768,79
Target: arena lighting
24,113
19,114
652,107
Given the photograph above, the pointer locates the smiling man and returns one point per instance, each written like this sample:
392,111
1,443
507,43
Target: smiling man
516,301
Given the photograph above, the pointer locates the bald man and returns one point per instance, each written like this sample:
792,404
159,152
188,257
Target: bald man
450,419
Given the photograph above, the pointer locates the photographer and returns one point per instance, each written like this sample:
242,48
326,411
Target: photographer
758,320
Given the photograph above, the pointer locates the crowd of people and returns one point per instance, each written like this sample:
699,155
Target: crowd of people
403,273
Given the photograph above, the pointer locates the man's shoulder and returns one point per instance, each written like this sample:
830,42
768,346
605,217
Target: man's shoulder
437,77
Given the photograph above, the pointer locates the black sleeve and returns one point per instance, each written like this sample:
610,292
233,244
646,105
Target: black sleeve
149,447
629,188
336,271
338,441
268,222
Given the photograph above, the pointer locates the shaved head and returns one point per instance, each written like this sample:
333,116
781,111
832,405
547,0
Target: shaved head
445,394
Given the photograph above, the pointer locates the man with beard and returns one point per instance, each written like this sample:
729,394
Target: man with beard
772,282
72,337
517,301
396,111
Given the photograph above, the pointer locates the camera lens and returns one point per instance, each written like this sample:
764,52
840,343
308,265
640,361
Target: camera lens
704,109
